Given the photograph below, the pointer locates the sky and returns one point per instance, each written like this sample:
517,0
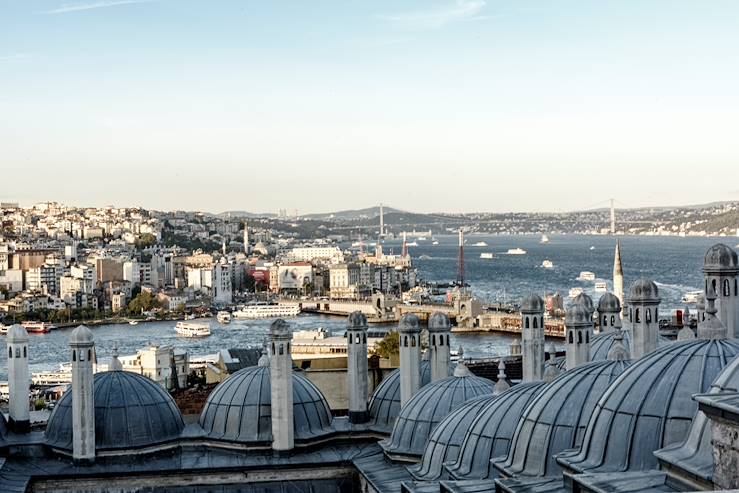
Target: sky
433,105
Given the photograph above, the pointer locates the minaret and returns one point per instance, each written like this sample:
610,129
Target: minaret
410,357
405,246
700,307
356,338
19,382
246,238
711,327
83,399
643,317
439,329
578,331
532,338
618,275
223,248
281,384
609,312
460,260
721,272
382,221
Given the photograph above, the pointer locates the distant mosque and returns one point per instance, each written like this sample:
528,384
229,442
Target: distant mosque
623,411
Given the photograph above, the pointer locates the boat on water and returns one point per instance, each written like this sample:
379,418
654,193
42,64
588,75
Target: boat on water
601,286
192,329
547,264
434,242
575,292
480,244
421,238
487,255
691,297
544,239
592,247
516,251
266,311
412,243
586,275
223,317
424,257
37,327
133,322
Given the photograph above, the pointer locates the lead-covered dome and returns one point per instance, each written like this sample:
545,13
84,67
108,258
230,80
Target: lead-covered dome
586,301
428,407
609,303
720,259
439,322
532,303
649,406
601,344
240,409
490,434
578,314
131,412
643,290
557,418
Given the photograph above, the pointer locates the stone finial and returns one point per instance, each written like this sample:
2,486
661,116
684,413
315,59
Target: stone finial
515,348
263,359
460,352
461,370
115,363
618,351
711,327
502,384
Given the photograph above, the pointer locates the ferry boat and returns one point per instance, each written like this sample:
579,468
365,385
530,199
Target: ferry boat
487,255
191,329
267,311
223,317
544,239
586,275
133,322
480,244
575,292
421,238
547,264
37,327
412,243
592,247
435,242
691,296
516,251
601,287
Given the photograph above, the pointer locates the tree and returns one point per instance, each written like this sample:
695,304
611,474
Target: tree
145,301
389,346
145,240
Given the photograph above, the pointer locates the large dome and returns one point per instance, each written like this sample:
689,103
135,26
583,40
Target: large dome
131,412
720,259
240,409
490,433
428,407
649,406
446,439
557,418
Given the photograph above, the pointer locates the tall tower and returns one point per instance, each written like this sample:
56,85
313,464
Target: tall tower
382,221
613,218
439,329
609,312
532,338
356,339
405,245
618,275
246,238
19,382
643,317
83,398
410,357
460,266
721,272
579,331
281,384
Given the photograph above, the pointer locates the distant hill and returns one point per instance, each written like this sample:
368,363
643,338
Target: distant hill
237,214
352,215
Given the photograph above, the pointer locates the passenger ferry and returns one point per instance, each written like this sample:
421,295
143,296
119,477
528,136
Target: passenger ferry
601,287
547,264
586,276
487,255
544,239
267,311
191,329
516,251
480,244
223,317
575,292
37,327
435,242
691,296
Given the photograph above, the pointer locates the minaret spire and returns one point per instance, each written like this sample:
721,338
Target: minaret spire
618,275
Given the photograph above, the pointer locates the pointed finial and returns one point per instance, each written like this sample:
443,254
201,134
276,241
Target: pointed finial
501,369
461,370
115,363
460,351
711,327
502,384
618,351
263,359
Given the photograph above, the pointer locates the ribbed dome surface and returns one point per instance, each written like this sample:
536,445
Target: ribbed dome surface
131,411
608,303
578,314
584,300
643,290
240,410
446,439
720,258
557,418
601,344
490,433
427,408
532,303
650,406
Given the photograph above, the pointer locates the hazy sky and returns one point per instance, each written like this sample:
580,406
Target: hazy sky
458,105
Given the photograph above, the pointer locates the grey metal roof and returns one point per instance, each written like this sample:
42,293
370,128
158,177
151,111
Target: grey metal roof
532,303
649,406
557,418
447,438
584,300
601,344
490,433
239,409
131,411
609,303
427,408
242,358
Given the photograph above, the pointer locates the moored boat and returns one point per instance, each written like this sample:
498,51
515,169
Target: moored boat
267,311
544,239
223,317
601,286
691,297
37,327
487,255
586,276
191,329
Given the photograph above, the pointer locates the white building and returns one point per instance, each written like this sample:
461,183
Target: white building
309,254
158,363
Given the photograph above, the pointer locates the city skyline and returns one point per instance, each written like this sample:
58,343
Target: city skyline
459,106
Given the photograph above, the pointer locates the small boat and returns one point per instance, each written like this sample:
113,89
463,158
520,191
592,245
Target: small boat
544,239
487,255
421,238
691,297
412,243
592,247
601,287
516,251
190,329
424,257
133,322
586,276
480,244
37,327
575,292
223,317
547,264
434,242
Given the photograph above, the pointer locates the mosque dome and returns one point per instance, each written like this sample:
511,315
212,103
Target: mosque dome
131,411
601,344
578,314
428,407
81,335
586,301
557,418
720,259
357,320
16,334
446,439
649,406
439,322
409,323
239,409
490,433
532,303
643,290
609,303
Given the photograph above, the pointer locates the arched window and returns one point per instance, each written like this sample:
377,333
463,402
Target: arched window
649,315
288,347
727,288
441,340
10,352
613,320
605,320
25,352
736,288
631,315
587,337
579,337
273,348
74,355
526,322
713,285
636,314
570,338
405,341
350,339
447,340
364,338
89,355
536,322
433,340
413,341
282,349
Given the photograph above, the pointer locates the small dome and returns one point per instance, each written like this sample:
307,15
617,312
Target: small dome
650,406
643,290
409,323
357,320
490,433
427,408
240,409
557,418
720,259
608,303
439,322
578,314
280,329
601,344
586,301
131,412
17,333
81,335
532,303
446,439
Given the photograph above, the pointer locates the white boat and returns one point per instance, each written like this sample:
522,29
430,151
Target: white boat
37,327
544,239
223,317
480,243
192,329
592,247
547,264
434,242
691,296
266,311
586,276
412,243
516,251
133,322
424,257
601,287
575,292
421,238
487,255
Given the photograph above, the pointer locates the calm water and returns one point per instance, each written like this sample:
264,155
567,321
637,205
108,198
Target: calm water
674,263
